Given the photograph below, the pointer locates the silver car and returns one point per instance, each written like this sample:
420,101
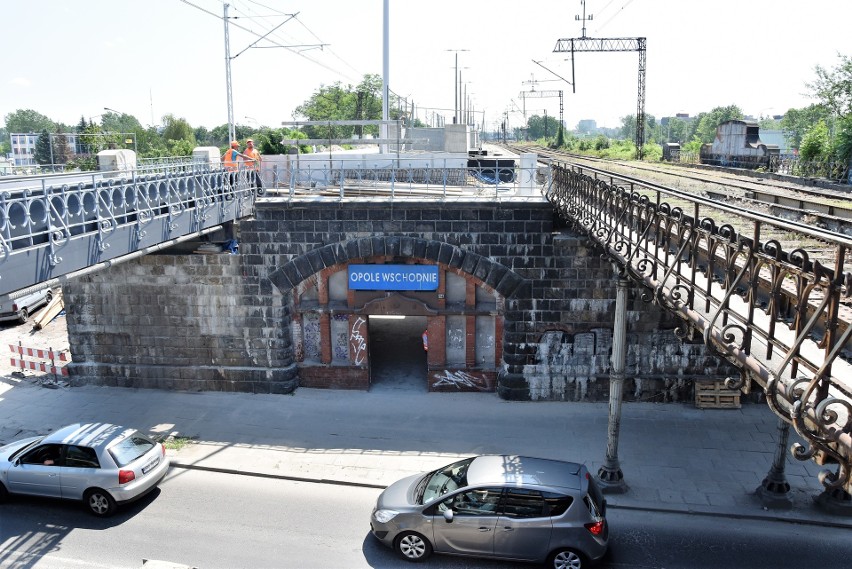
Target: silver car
101,464
507,507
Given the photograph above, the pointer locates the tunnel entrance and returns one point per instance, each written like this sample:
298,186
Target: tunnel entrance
397,358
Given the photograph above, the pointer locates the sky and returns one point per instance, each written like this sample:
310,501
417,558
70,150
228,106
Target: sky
73,58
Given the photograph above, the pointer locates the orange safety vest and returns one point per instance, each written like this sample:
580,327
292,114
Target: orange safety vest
230,159
254,162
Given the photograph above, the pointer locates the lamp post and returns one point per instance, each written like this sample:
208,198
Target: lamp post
122,114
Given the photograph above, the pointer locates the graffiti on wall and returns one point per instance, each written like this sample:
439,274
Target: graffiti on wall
340,337
311,329
460,380
357,341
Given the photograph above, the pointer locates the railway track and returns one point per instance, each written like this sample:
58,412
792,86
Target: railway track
829,209
789,238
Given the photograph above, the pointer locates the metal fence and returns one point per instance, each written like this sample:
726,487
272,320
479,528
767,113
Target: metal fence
399,178
61,225
747,283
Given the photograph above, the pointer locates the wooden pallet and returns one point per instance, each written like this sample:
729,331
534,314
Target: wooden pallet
714,395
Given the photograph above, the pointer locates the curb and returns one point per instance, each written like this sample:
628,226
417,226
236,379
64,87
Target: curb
637,508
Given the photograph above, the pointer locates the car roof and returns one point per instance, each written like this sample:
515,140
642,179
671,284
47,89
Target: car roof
525,471
96,435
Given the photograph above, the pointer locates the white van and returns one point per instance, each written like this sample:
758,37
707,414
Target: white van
21,308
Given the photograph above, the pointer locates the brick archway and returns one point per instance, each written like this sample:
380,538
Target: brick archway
502,279
319,263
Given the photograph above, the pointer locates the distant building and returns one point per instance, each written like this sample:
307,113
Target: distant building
587,126
776,138
24,145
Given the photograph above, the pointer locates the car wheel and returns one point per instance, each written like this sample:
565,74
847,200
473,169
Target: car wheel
566,559
23,315
4,494
413,546
99,502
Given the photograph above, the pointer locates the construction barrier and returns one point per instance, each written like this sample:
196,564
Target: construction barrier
49,366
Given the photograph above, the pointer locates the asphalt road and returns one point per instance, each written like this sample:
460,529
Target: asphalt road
211,521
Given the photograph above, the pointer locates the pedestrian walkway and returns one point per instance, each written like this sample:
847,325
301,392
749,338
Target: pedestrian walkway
674,456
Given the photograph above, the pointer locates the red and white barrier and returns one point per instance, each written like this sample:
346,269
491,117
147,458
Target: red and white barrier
38,353
38,366
48,354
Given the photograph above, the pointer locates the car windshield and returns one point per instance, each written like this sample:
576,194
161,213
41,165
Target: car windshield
437,483
21,450
130,448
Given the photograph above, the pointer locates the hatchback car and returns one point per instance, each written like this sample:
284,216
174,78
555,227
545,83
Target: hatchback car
500,506
101,464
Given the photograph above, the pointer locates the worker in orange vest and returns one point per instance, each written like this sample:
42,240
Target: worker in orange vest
229,158
252,158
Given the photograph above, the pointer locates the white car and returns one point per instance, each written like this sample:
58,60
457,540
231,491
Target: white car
21,308
101,464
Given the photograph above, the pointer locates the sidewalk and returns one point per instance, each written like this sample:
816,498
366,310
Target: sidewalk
674,457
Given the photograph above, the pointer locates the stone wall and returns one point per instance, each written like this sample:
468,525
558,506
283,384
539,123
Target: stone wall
223,322
187,322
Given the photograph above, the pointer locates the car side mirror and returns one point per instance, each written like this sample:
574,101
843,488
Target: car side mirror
448,515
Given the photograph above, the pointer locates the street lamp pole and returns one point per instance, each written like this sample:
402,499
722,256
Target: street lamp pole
232,131
134,134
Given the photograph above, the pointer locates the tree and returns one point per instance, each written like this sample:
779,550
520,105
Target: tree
61,152
815,142
177,129
542,126
42,148
834,88
677,130
842,147
796,122
338,102
706,130
28,120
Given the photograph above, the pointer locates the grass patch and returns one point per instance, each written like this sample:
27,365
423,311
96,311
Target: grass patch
172,442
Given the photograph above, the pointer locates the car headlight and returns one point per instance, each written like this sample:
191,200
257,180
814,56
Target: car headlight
384,516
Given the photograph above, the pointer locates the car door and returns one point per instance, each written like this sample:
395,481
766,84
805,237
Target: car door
524,528
474,516
79,471
37,472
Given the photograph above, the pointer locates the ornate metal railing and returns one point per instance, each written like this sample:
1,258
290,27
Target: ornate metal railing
752,285
69,224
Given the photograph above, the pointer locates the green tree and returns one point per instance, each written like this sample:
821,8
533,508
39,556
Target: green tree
796,122
706,130
842,147
175,129
202,136
339,102
676,130
834,88
28,120
542,127
815,144
42,148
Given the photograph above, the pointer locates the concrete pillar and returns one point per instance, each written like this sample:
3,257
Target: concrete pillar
610,477
526,174
774,491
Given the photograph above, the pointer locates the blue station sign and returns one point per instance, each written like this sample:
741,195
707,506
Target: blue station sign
393,277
